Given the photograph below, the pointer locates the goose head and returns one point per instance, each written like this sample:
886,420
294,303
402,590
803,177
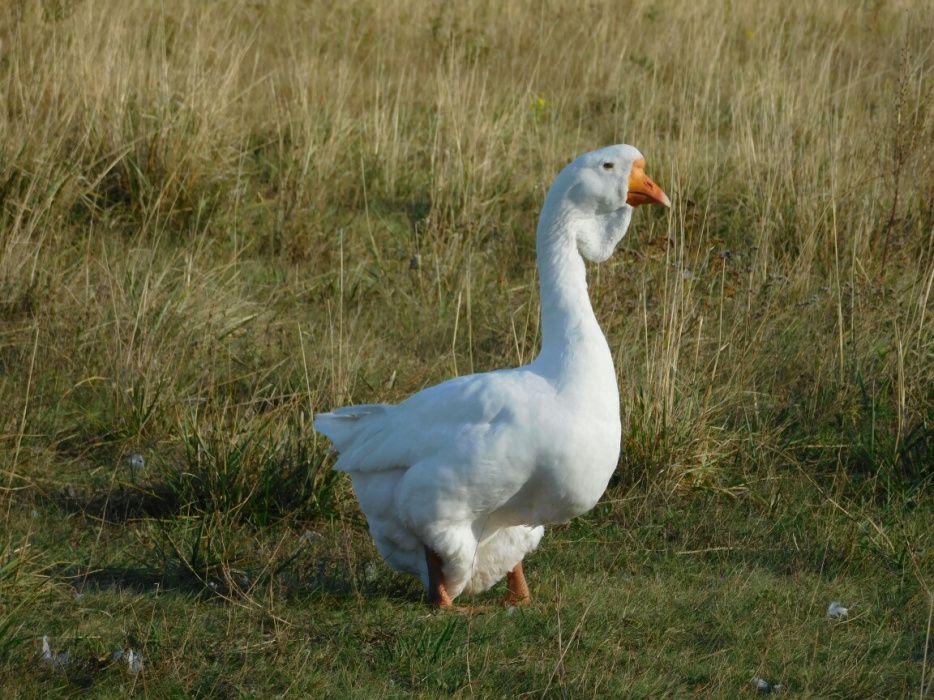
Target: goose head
594,197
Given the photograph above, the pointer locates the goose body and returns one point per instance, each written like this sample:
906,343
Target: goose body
458,481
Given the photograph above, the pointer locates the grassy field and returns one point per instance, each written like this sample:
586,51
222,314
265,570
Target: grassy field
218,218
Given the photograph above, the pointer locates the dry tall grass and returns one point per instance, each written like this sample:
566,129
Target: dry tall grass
192,189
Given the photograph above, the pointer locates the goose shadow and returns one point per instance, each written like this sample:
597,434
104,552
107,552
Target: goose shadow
120,504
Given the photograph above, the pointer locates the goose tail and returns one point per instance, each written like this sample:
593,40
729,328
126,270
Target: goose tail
350,426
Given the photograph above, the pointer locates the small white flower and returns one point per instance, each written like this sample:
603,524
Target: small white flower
835,611
54,660
136,461
762,685
308,537
134,661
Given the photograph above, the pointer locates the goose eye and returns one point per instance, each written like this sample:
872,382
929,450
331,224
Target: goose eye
607,166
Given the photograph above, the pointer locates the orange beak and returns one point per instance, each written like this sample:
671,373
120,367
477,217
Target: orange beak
642,188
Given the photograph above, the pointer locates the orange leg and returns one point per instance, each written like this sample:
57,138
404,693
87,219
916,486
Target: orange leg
517,590
437,594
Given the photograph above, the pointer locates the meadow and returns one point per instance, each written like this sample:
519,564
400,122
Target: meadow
219,218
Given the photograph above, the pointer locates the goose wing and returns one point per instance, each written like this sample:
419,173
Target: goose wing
466,416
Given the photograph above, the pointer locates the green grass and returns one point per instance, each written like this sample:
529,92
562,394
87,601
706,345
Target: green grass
217,219
645,596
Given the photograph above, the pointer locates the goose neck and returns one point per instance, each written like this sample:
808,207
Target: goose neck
568,321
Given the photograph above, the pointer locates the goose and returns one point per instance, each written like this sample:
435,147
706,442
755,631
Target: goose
458,481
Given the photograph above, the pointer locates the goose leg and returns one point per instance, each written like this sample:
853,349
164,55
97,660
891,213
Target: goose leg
517,590
437,594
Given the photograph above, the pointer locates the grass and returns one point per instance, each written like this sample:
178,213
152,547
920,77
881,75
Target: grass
216,219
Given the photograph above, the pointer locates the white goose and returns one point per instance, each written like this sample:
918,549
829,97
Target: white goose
458,481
